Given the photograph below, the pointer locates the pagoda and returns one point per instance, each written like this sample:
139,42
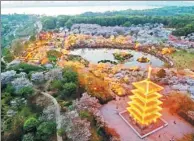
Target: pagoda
145,104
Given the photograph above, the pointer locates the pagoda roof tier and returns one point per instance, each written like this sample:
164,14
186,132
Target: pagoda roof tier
134,114
152,117
143,97
143,103
142,109
153,110
146,84
137,109
148,119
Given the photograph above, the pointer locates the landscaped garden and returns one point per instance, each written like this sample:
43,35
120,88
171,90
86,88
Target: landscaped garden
59,86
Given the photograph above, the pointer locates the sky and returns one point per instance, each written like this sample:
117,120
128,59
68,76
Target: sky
7,4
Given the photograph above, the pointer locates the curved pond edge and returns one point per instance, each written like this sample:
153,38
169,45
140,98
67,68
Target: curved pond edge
140,49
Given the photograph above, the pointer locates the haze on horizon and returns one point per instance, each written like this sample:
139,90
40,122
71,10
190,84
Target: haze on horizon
16,4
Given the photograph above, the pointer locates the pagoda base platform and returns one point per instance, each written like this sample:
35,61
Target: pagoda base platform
142,132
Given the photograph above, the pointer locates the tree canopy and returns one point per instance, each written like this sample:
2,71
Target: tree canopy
174,17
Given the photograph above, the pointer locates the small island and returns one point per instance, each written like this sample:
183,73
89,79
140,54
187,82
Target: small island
143,59
108,61
122,56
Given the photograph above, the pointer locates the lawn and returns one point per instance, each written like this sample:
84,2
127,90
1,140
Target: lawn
183,59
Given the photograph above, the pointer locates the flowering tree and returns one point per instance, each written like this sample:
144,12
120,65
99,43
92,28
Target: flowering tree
90,104
76,128
37,77
20,83
7,77
48,113
54,74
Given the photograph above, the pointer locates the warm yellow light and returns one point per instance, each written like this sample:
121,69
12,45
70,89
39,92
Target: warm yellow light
149,71
145,105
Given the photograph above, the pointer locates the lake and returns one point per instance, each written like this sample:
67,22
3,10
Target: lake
95,55
71,10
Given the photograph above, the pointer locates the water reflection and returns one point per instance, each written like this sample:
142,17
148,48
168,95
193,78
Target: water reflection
95,55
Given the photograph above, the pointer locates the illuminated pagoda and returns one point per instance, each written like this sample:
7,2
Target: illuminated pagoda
145,106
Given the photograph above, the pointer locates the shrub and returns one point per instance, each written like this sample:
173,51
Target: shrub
27,68
16,124
61,132
52,53
67,103
69,88
30,124
74,58
28,137
45,130
70,75
26,112
25,91
9,89
57,84
108,61
6,98
52,59
161,73
9,58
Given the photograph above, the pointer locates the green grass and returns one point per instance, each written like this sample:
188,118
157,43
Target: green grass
183,59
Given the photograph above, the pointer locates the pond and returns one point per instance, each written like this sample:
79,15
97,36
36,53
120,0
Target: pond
95,55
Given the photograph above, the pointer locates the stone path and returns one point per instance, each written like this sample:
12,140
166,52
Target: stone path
57,113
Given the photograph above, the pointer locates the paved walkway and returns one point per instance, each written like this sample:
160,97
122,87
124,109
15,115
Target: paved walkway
2,59
57,113
112,118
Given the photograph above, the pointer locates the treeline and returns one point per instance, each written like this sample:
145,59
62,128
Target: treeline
165,11
11,21
183,23
185,30
14,26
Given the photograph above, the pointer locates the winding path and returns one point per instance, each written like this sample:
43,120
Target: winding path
39,24
57,113
2,59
